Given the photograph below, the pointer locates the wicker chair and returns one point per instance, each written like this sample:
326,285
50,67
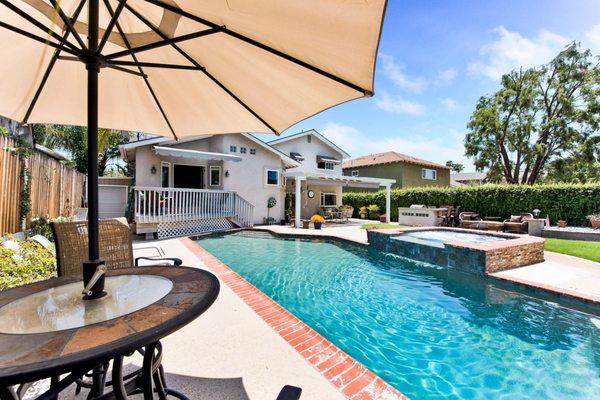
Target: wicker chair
71,241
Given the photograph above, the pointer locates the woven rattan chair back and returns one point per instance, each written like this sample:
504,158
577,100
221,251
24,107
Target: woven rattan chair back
71,241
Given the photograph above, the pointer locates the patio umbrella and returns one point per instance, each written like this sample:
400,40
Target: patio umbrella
181,68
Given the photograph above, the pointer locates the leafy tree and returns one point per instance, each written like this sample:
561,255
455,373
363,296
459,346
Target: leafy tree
455,167
73,139
537,117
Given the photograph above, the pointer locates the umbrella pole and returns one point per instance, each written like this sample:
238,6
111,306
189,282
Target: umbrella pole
92,64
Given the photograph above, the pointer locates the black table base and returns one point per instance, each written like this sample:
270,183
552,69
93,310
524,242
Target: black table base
148,380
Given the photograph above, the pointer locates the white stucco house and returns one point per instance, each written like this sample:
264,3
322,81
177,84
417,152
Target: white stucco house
210,183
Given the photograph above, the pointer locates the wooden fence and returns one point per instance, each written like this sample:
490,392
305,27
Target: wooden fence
55,188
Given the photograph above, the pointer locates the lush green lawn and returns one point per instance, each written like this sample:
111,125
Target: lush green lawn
577,248
379,226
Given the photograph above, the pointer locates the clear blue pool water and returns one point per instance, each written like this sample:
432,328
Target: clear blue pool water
431,332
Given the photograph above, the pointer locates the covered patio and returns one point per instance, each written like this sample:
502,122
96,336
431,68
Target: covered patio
305,185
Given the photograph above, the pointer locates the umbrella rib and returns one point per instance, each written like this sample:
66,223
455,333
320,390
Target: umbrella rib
154,65
260,45
111,25
37,38
38,24
51,65
164,42
124,37
201,68
69,26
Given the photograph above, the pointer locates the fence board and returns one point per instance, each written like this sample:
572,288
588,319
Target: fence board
55,188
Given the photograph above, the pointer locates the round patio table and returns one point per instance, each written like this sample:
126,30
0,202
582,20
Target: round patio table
47,330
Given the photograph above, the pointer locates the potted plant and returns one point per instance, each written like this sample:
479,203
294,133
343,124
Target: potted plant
561,222
317,221
346,211
305,224
383,218
373,211
272,202
363,211
594,220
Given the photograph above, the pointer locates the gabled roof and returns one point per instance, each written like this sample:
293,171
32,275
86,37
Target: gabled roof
314,133
388,158
289,161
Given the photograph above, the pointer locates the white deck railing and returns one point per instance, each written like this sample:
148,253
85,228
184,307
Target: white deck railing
155,205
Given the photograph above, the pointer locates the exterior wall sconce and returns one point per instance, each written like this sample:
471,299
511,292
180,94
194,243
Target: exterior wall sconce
153,170
227,174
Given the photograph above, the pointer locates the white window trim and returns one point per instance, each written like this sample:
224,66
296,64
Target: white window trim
354,173
166,164
214,167
323,194
267,170
424,174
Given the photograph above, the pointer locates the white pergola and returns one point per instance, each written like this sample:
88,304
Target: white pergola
324,179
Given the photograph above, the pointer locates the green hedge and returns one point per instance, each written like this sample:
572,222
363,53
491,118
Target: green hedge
559,201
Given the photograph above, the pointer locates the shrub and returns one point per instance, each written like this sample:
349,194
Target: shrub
373,211
40,225
572,202
29,264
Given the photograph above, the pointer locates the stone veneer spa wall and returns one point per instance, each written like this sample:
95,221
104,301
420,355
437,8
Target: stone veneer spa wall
510,251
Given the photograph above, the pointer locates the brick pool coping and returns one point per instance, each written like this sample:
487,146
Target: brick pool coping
354,380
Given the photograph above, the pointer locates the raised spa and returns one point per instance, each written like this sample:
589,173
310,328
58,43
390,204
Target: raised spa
467,250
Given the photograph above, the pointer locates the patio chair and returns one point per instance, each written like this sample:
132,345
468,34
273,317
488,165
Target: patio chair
71,241
469,219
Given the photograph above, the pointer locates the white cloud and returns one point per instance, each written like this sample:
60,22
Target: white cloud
396,74
398,105
450,104
445,77
438,149
592,39
513,50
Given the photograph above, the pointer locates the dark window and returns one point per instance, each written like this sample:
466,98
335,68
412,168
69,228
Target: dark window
325,165
272,177
252,151
243,150
215,176
188,176
232,149
164,174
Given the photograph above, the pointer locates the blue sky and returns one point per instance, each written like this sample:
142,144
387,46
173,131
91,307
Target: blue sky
437,57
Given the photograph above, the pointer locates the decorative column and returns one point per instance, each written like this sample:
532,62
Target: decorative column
388,202
298,198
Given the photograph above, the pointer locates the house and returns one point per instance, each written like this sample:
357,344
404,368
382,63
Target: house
216,182
406,170
468,179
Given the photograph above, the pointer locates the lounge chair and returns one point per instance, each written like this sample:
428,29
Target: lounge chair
518,223
469,220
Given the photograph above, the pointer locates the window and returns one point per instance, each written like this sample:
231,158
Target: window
272,177
325,165
354,172
242,150
215,175
308,138
253,151
429,174
232,149
328,199
165,173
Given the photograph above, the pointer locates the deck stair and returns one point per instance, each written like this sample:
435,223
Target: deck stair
172,212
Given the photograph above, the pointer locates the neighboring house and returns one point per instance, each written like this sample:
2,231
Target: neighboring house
210,183
468,179
406,170
317,183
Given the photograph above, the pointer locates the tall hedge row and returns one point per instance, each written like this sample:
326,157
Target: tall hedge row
560,201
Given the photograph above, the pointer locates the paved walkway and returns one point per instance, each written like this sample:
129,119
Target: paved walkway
231,353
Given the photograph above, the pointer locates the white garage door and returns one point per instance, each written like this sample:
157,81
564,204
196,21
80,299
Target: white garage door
112,200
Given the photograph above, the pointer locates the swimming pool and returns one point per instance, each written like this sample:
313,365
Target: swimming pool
433,333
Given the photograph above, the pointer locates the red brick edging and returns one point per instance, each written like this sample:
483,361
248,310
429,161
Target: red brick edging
354,380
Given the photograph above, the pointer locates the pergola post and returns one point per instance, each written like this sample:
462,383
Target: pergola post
388,202
298,204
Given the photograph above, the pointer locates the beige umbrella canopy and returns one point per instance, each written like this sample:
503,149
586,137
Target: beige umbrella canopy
236,65
181,68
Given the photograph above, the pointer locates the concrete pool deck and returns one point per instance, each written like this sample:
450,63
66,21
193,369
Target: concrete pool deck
237,350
